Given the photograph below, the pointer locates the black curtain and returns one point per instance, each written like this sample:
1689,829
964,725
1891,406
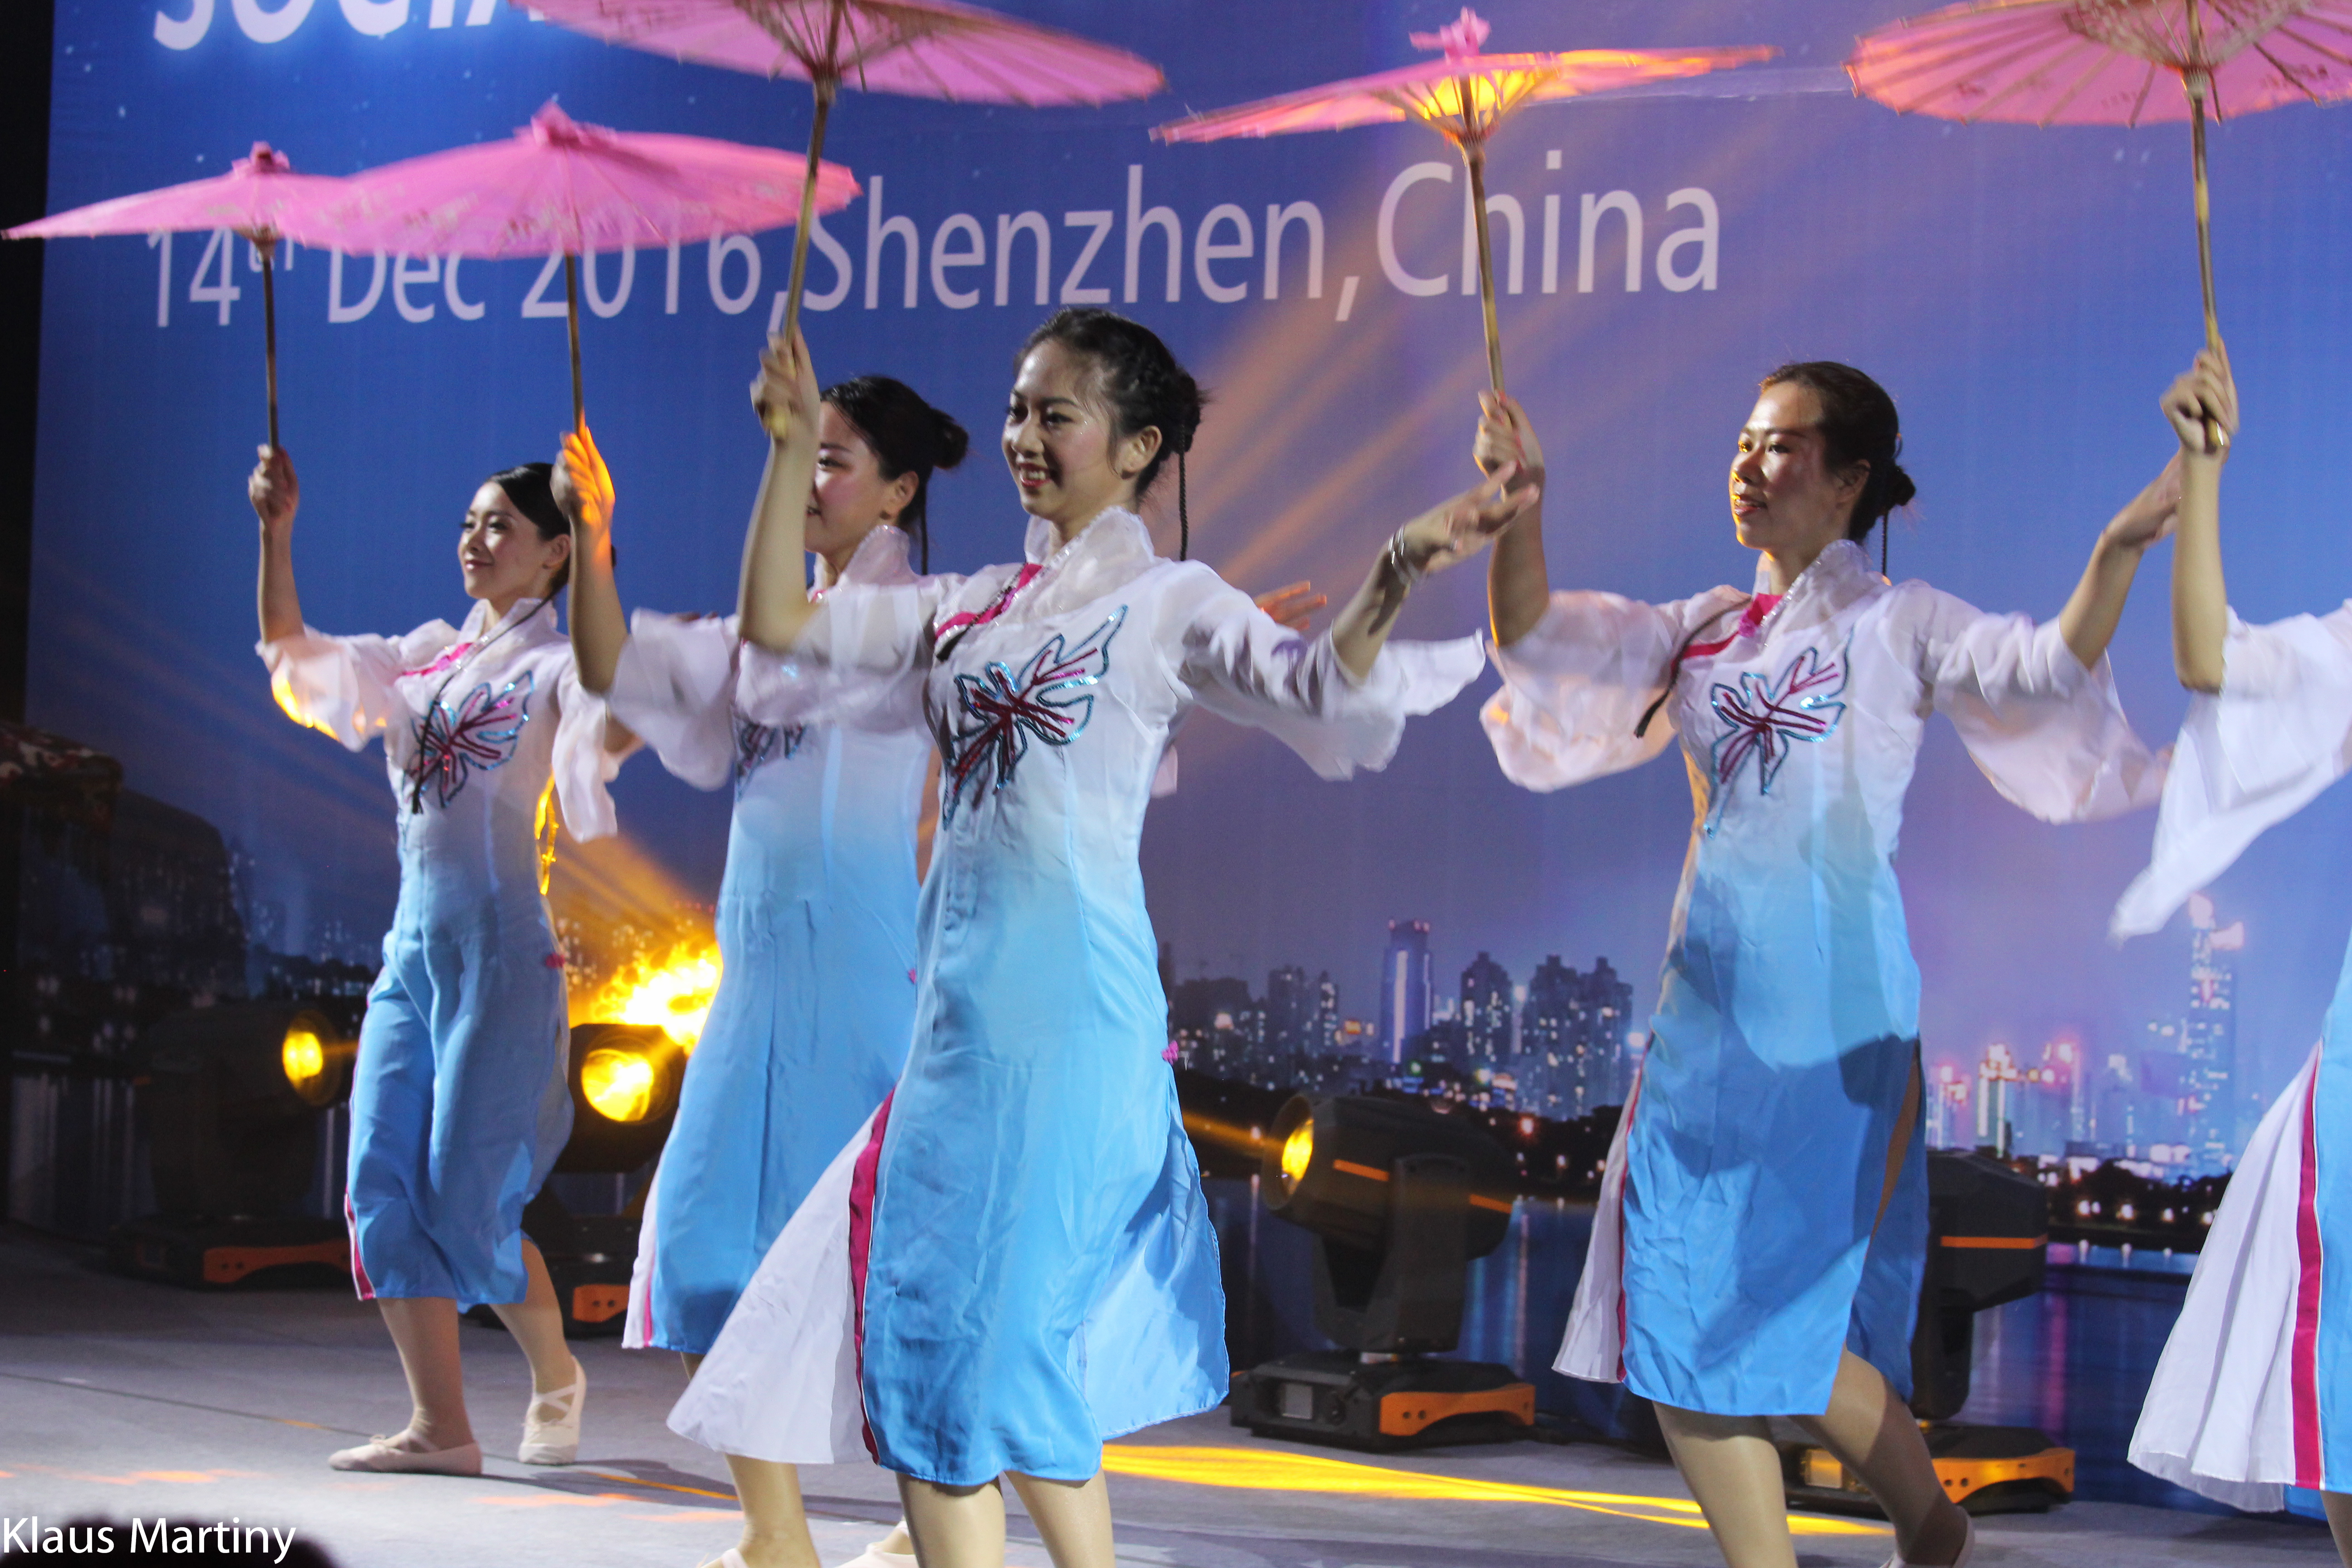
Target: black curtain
26,36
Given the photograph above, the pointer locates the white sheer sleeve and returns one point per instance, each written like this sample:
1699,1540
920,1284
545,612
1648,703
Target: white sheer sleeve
343,687
2048,732
2278,732
675,687
861,660
1575,687
1241,664
583,766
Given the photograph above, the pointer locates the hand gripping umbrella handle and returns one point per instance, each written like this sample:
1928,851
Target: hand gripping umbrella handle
2215,436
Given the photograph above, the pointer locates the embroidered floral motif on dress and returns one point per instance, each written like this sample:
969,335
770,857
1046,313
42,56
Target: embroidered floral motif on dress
1005,710
1761,719
757,743
479,733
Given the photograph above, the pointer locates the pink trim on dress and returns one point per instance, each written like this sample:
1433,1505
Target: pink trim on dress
645,1240
2310,1466
451,654
863,1177
359,1269
966,619
1632,1099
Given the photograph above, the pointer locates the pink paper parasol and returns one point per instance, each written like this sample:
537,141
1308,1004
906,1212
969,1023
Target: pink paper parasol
1464,97
2114,62
258,198
557,187
923,48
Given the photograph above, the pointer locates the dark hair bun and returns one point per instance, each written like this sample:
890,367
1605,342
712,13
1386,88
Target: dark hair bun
1858,425
950,441
1899,488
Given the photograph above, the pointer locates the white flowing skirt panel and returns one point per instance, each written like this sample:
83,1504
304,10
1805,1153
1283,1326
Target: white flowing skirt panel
2233,1387
780,1383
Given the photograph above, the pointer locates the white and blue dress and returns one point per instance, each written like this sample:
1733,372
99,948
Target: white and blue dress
816,938
1013,1261
1764,1205
459,1100
2253,1392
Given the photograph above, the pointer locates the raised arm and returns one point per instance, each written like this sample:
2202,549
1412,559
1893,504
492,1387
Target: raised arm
1519,587
1436,539
774,601
584,488
276,494
2203,400
2088,621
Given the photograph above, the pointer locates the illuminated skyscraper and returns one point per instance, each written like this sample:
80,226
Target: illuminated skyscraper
1289,1013
1404,987
2209,1038
1486,1010
1572,1038
1327,1014
1947,1100
1997,1073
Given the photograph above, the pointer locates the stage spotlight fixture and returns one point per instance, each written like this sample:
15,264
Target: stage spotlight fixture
1400,1200
625,1084
1988,1244
624,1081
238,1101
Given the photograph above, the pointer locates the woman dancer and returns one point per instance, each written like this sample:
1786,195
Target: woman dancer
459,1103
1764,1208
1017,1261
816,910
2251,1393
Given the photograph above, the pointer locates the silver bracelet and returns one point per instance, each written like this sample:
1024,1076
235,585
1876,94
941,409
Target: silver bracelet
1406,572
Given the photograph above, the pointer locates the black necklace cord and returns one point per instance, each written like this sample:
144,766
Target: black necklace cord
416,781
1674,670
1183,515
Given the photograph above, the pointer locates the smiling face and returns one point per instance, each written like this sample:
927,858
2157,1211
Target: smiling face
501,554
1068,459
849,498
1785,498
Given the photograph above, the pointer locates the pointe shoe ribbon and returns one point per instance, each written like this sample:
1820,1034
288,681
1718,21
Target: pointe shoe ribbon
1968,1553
377,1454
551,1427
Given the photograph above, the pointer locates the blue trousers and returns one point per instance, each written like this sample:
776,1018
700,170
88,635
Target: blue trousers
459,1104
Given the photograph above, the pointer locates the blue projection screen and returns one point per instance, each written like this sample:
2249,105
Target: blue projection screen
2024,294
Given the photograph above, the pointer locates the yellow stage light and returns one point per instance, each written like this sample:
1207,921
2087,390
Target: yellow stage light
305,1055
1297,1153
619,1083
316,1063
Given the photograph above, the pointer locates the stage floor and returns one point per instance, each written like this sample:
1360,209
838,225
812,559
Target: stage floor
127,1399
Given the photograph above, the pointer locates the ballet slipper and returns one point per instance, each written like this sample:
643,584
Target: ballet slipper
551,1427
377,1454
1967,1550
875,1557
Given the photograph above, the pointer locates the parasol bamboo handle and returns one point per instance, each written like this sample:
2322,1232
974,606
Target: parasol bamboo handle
1475,155
824,90
572,325
2215,436
268,248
